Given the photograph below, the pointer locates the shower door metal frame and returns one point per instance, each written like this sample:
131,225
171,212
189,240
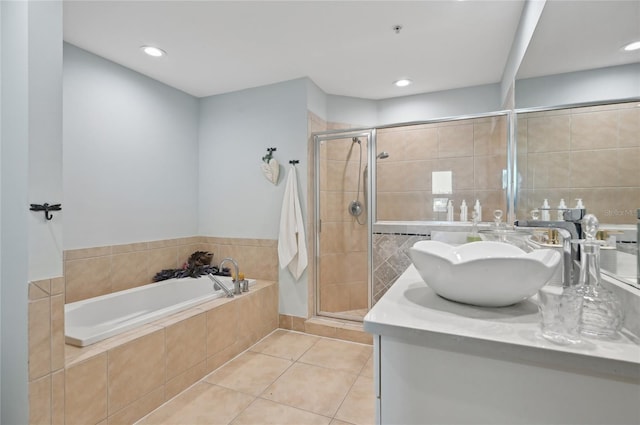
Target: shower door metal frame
325,136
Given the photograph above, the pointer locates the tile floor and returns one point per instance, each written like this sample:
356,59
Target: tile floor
287,378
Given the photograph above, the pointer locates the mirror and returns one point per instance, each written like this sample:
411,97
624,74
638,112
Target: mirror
590,150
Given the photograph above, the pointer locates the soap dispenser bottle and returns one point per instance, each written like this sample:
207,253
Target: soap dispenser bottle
463,211
546,216
561,207
478,210
579,204
602,313
450,210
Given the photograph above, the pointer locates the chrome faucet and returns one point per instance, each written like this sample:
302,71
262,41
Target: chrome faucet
237,290
219,285
570,229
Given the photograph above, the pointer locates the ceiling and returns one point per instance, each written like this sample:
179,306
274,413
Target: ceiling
347,48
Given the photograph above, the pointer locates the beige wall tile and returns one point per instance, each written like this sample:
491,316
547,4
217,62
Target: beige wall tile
138,408
223,356
629,127
549,133
87,278
57,397
163,243
36,292
420,143
57,332
129,270
628,167
334,297
135,369
57,286
354,335
183,381
455,141
86,391
285,321
462,169
77,254
319,329
594,168
40,401
186,344
298,323
131,247
488,171
594,130
162,258
39,338
548,170
490,138
221,327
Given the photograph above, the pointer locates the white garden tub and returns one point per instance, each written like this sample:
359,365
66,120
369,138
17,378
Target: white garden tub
92,320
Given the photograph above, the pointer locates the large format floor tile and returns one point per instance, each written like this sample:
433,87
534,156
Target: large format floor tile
311,388
287,378
340,355
269,413
250,373
202,404
288,345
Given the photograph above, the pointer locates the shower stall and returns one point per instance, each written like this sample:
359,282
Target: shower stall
379,190
343,224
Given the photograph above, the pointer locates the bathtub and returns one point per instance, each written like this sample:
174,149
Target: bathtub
92,320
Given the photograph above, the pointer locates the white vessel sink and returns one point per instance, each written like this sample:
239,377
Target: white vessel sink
487,273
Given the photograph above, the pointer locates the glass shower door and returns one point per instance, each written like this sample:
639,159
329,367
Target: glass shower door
343,225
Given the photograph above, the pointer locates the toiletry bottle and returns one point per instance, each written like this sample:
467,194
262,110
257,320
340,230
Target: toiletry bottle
602,313
579,204
450,210
478,210
463,211
545,210
474,235
561,207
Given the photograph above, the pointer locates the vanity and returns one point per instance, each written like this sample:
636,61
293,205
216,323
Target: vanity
441,362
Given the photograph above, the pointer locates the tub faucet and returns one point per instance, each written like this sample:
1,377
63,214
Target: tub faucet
219,285
570,229
237,290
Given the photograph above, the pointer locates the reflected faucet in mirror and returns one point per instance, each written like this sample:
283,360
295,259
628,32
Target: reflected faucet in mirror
570,229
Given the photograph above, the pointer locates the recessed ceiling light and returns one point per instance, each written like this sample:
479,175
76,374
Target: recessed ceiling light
632,46
402,83
153,51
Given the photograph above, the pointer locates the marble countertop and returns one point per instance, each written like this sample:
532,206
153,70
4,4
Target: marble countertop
411,311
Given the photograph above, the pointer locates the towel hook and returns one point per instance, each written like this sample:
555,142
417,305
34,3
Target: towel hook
46,208
294,161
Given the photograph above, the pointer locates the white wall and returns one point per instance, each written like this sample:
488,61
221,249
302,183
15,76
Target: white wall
13,225
352,110
45,138
617,82
130,155
235,199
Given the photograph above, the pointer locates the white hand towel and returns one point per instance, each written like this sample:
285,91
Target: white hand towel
292,247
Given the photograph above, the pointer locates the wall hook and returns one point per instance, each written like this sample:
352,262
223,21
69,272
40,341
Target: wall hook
294,161
46,208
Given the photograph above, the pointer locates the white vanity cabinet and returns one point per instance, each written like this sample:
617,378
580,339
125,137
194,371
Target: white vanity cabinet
438,362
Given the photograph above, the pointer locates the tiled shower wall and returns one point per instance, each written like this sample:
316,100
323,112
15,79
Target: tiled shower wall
390,259
343,241
97,271
591,153
475,150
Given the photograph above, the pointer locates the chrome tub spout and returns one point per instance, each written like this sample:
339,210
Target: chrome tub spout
219,285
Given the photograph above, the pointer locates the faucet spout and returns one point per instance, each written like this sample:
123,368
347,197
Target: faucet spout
570,229
236,283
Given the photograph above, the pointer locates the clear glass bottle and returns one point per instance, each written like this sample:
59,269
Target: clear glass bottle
602,312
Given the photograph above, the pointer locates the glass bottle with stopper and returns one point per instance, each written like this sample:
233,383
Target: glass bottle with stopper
602,313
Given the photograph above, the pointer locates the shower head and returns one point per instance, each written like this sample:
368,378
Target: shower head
383,155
